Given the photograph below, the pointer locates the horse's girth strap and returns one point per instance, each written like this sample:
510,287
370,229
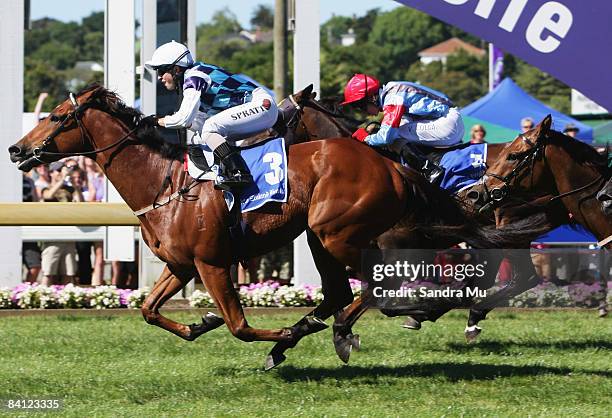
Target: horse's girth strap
169,199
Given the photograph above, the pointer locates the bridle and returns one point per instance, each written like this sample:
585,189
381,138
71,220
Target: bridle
497,195
77,113
295,118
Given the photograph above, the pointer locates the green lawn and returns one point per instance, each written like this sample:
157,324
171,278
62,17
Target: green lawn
527,363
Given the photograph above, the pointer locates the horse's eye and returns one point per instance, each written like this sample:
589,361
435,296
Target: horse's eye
54,118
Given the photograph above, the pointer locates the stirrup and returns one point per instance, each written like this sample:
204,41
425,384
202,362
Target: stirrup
433,172
237,181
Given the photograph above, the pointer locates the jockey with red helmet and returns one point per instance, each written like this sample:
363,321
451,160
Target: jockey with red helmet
412,114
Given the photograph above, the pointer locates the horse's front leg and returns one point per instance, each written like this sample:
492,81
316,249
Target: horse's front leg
524,277
219,285
168,285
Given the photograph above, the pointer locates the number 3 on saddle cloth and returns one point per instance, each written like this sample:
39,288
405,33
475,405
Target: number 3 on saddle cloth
267,162
464,164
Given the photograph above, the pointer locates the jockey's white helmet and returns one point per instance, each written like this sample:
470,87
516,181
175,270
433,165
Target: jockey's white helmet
171,53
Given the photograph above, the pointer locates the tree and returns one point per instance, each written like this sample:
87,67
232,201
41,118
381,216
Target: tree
544,87
462,79
93,23
399,35
40,77
263,17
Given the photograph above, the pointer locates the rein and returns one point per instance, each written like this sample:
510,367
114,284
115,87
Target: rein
498,194
76,114
79,109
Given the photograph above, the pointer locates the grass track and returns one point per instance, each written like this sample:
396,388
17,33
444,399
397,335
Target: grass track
527,363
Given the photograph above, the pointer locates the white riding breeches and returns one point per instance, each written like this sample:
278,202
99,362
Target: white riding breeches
445,131
239,121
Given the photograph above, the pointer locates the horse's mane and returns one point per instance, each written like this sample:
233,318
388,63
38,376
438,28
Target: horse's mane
442,215
109,102
580,152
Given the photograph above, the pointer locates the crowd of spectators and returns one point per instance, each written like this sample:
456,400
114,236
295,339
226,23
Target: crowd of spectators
60,262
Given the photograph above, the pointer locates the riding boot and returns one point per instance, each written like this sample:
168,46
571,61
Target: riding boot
420,162
234,171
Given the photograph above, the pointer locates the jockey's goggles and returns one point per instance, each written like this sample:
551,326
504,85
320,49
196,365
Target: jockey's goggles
163,69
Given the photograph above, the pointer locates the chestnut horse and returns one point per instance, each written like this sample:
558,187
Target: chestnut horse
345,193
318,122
547,165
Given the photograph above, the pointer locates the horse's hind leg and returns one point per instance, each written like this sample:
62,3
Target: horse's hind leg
167,286
344,340
336,295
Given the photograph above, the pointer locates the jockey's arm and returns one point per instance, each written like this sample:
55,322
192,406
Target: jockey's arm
184,117
393,110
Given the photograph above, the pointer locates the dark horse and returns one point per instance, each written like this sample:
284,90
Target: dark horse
345,206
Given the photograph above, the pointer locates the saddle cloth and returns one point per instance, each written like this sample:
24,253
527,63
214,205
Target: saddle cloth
463,166
267,162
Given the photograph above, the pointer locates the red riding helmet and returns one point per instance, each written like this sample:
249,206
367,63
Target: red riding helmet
359,87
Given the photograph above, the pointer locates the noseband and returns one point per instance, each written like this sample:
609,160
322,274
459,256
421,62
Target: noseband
497,195
77,113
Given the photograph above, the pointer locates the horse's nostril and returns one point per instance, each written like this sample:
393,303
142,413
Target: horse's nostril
15,150
473,195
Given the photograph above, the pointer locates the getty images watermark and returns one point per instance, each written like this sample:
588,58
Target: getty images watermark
415,279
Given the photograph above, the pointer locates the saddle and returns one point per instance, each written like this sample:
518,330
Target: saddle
196,154
435,154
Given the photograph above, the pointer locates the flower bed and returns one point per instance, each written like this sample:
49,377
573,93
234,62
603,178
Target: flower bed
268,294
271,294
35,296
574,295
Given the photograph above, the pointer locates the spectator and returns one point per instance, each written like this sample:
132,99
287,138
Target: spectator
83,248
30,251
44,179
279,261
571,130
59,258
477,134
96,193
526,124
249,274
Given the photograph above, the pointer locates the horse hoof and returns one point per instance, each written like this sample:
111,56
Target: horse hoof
602,313
273,360
343,349
472,333
411,323
355,341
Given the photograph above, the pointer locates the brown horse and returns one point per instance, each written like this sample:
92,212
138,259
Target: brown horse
549,168
345,193
318,122
545,162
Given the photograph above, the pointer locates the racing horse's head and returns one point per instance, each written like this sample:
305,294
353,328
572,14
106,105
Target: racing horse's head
67,130
515,171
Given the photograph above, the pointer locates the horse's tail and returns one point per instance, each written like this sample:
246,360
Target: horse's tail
442,216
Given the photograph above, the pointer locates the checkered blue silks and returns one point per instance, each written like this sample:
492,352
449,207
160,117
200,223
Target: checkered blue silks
226,90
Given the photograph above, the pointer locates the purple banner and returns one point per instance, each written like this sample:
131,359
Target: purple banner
569,39
496,66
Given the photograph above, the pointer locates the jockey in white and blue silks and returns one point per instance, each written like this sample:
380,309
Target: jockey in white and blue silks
412,114
216,105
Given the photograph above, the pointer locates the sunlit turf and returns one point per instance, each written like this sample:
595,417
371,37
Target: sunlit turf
525,364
